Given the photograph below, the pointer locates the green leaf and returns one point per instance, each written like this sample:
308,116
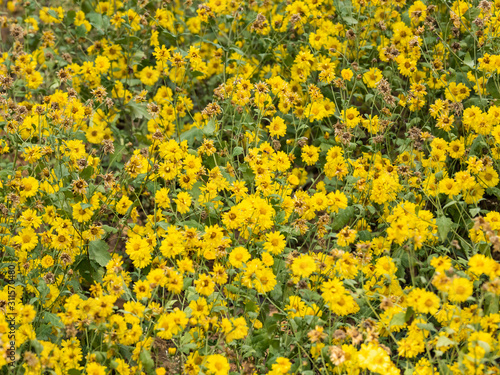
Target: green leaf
163,225
109,229
138,110
475,211
37,346
398,319
98,252
468,61
492,89
53,13
494,191
444,225
95,20
87,6
127,40
237,50
80,31
53,319
86,271
237,151
343,218
209,128
43,332
451,203
444,341
491,303
84,206
350,20
43,289
187,282
277,292
70,17
248,351
188,347
427,326
192,224
146,360
248,174
472,13
191,135
87,172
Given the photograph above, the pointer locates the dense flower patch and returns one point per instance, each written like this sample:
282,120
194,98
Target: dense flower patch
263,187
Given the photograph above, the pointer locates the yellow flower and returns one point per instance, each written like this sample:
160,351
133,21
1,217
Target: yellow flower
94,368
346,74
183,202
149,76
123,205
82,212
303,266
29,187
204,285
460,290
372,77
139,251
275,242
238,256
277,127
310,154
27,239
217,364
346,236
47,261
423,301
102,64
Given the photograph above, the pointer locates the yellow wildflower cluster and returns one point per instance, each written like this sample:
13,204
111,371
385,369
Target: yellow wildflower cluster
268,187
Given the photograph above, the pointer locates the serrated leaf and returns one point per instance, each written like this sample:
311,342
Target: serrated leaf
427,326
277,292
209,128
444,225
80,31
350,20
98,252
398,319
95,20
468,61
163,225
138,110
53,13
146,360
70,17
343,218
87,172
84,206
492,89
237,151
191,135
475,211
53,319
109,229
43,289
444,341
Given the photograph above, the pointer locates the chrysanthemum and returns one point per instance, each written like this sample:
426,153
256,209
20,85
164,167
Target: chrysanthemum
277,127
217,365
303,266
